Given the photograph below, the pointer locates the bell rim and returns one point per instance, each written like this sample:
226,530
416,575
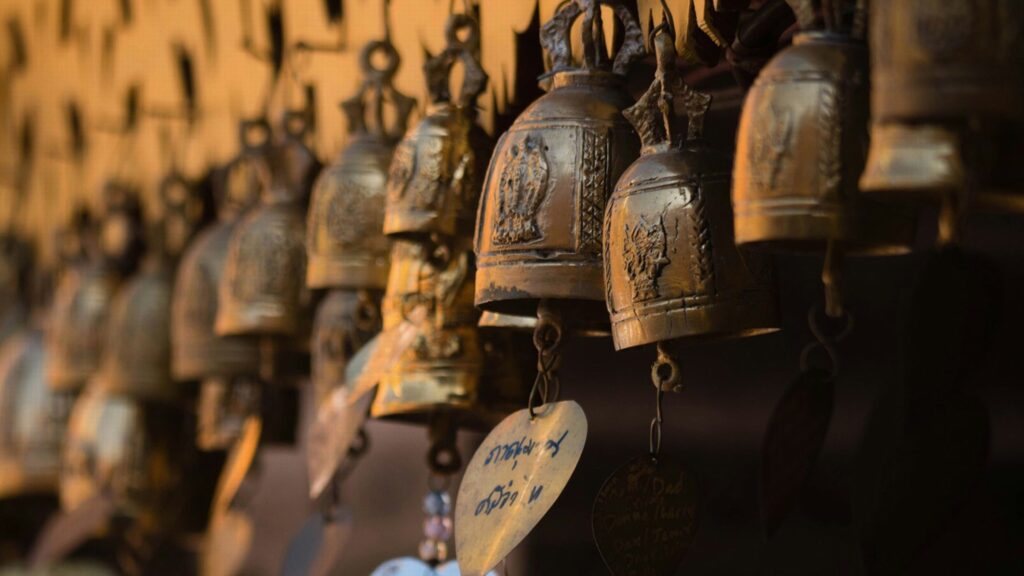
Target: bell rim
370,272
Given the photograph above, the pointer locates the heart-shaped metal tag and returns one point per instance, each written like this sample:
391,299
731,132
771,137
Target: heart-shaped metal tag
66,531
645,517
415,567
513,480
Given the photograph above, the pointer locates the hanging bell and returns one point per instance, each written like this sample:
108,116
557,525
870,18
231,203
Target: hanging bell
345,321
801,149
137,354
86,290
14,263
197,351
347,248
947,83
434,179
672,268
32,419
127,450
262,290
539,234
442,370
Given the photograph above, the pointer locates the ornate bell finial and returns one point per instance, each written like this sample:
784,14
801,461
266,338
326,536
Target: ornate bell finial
672,269
539,234
434,178
346,244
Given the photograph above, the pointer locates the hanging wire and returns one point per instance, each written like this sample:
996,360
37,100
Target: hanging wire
825,340
547,338
665,376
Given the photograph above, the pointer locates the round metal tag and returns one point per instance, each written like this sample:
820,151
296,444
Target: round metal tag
512,481
796,432
645,517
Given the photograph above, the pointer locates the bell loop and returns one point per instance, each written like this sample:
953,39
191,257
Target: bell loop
443,457
555,37
466,50
665,373
377,91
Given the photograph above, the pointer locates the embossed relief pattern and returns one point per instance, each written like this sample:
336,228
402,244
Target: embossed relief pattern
521,191
350,213
594,189
830,132
772,141
702,265
429,174
644,256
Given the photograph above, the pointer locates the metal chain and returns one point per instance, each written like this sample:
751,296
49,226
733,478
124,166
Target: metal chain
665,378
547,339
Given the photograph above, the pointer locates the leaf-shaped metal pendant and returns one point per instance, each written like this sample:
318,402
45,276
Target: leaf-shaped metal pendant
796,432
513,479
69,530
381,353
332,433
645,517
228,542
317,547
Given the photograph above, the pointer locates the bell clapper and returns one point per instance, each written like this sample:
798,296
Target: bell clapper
831,277
547,338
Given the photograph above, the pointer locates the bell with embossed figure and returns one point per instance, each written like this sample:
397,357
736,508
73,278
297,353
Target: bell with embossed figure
86,289
346,244
800,150
672,268
262,290
435,175
947,83
539,231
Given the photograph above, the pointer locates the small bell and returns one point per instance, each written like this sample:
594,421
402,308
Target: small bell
262,290
800,151
197,352
137,354
347,248
86,290
672,268
32,419
947,82
434,179
441,370
539,234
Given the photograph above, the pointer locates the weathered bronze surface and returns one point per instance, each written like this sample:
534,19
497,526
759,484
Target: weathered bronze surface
801,149
442,368
671,267
197,351
32,418
345,321
435,175
262,291
512,481
224,405
539,230
86,290
947,82
645,517
346,244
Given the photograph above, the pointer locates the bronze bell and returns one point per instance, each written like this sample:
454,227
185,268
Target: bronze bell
126,449
672,269
539,231
441,371
801,148
137,354
32,418
345,321
82,301
346,245
434,179
947,83
262,290
197,351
